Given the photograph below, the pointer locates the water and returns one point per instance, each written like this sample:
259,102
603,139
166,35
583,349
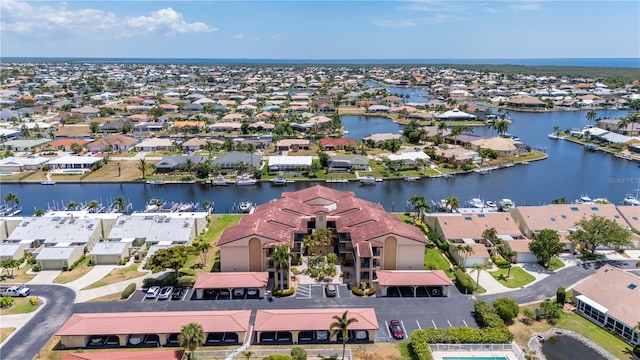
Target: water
567,348
568,172
416,95
360,126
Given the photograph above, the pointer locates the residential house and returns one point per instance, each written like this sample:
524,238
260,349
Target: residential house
66,143
526,102
503,146
292,145
286,163
347,163
19,164
378,139
74,162
117,142
330,144
170,163
233,159
155,144
456,115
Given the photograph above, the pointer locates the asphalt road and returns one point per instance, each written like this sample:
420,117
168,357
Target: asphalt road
27,341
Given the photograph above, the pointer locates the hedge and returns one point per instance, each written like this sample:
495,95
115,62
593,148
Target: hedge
464,282
278,357
420,339
290,291
128,291
357,291
486,316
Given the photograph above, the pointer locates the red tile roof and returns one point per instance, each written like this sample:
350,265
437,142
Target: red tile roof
154,322
413,278
337,141
68,142
228,280
312,319
127,355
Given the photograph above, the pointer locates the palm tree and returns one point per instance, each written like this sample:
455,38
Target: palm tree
556,130
189,165
38,213
478,268
207,205
143,167
442,127
341,326
119,203
202,247
280,259
93,204
418,203
490,234
509,254
502,126
12,199
72,205
467,250
248,354
191,337
591,115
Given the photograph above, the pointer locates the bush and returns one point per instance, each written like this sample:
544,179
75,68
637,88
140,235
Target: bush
76,263
561,296
36,268
278,357
636,350
529,315
128,291
464,282
420,339
65,268
357,291
298,353
550,311
185,281
506,308
486,316
290,291
6,301
371,291
33,301
186,272
31,261
500,262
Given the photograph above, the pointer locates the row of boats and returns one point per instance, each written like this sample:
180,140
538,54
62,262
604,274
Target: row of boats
247,181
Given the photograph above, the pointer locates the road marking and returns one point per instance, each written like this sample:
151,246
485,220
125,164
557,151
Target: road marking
388,330
465,323
449,324
434,324
338,291
403,329
419,327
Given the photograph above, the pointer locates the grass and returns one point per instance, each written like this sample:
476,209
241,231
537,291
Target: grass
19,276
555,264
117,275
79,271
5,332
519,277
435,260
571,321
21,305
217,224
108,298
128,171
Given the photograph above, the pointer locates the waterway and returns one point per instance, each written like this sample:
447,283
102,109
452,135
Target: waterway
569,172
568,348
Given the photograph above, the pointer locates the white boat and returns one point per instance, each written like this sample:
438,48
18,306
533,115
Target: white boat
476,203
631,200
368,180
153,205
245,206
411,178
505,204
219,181
48,182
553,136
490,204
279,181
482,171
379,179
584,199
245,181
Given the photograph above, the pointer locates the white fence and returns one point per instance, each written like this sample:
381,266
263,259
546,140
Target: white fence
262,353
479,347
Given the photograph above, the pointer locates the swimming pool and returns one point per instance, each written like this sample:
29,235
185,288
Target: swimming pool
71,171
3,173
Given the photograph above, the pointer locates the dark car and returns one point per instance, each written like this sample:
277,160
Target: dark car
177,293
396,329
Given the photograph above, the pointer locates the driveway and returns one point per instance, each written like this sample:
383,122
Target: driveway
27,341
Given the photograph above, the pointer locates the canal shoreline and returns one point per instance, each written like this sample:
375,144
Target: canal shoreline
537,341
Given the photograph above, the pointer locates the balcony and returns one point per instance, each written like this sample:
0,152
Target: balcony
377,251
365,263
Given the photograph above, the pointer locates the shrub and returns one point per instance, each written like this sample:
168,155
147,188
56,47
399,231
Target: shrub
77,262
36,268
31,261
464,282
529,315
186,272
290,291
371,291
500,262
506,308
357,291
420,339
6,301
278,357
636,350
65,268
295,271
313,273
550,311
128,291
186,281
33,301
561,296
298,353
486,316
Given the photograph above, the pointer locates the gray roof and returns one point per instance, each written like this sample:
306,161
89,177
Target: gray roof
56,229
178,161
56,252
110,248
7,249
234,157
153,228
352,159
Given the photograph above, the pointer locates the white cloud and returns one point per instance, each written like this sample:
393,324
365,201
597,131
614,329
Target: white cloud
21,17
410,22
238,36
433,6
525,7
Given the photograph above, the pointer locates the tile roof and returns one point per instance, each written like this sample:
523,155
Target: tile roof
473,225
165,322
127,355
614,289
313,319
519,246
565,216
413,278
231,280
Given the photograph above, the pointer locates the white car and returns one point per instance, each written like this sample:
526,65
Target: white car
252,292
238,292
165,293
153,292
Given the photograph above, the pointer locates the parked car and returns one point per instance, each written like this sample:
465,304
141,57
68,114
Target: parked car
165,293
252,292
153,292
396,329
331,290
177,293
224,292
136,339
322,335
238,292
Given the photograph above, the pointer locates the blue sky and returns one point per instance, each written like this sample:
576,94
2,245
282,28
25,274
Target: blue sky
321,29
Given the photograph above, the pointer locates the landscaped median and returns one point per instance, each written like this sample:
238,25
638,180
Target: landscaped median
517,278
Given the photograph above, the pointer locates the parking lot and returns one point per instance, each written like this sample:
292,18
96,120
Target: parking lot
316,291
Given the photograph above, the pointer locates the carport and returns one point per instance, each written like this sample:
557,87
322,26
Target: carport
151,329
230,281
413,283
311,326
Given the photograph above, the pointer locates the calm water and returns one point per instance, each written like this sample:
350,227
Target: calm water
568,348
568,172
416,95
360,126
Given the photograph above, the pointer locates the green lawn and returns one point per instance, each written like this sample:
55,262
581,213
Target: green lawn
218,224
519,277
555,264
20,306
434,260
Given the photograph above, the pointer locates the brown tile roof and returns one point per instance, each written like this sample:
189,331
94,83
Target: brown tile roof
565,216
68,142
337,141
114,139
613,288
631,214
127,355
228,280
312,319
519,246
473,225
413,278
154,322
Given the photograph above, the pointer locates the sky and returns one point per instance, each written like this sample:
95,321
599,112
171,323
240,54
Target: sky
371,29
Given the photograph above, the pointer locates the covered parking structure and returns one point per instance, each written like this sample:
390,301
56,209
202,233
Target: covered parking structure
152,329
413,283
312,326
214,282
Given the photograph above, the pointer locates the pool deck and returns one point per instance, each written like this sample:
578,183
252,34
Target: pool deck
502,354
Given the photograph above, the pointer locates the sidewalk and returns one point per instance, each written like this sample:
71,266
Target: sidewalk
95,274
44,277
